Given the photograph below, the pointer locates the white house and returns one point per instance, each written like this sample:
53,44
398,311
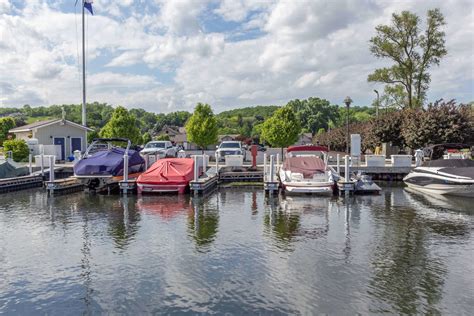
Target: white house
68,135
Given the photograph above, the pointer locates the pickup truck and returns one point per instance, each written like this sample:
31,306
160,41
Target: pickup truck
162,148
230,148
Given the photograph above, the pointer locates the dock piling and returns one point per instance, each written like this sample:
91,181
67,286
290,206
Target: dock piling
51,168
30,166
338,160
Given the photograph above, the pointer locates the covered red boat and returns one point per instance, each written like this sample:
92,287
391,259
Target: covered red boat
167,175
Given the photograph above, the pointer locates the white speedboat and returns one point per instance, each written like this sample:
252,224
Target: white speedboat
443,176
305,171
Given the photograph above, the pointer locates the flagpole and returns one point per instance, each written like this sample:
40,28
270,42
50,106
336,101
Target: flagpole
83,68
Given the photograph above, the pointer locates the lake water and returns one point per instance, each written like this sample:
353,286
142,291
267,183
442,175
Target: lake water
238,252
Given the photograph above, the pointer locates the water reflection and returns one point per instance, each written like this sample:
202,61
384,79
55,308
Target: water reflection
203,221
407,276
236,251
166,206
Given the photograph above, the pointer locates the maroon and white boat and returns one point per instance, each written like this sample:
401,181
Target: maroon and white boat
305,171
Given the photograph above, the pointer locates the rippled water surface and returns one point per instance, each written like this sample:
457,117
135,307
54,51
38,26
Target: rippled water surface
236,251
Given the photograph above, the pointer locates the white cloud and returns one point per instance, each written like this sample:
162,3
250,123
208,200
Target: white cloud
295,49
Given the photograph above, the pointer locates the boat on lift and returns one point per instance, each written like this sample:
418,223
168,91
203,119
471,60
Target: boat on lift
305,170
443,175
168,175
102,165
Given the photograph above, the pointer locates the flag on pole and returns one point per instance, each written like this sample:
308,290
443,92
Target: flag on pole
88,5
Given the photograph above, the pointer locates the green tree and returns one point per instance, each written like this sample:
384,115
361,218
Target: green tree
122,124
441,122
163,137
412,51
282,129
92,135
6,124
201,128
314,113
146,138
18,147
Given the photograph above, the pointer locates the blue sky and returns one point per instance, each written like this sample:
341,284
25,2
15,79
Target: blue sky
168,55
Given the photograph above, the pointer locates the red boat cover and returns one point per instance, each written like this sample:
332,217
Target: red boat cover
306,165
306,148
168,171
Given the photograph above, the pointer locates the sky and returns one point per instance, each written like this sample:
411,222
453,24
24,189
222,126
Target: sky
164,55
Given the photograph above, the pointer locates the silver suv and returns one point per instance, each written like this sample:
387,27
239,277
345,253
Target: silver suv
230,148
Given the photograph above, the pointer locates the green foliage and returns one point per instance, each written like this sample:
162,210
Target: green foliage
387,128
178,118
282,129
441,122
122,124
18,147
146,138
314,113
412,52
202,128
92,135
163,137
6,124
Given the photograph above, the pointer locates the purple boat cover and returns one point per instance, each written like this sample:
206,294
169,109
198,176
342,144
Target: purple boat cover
109,162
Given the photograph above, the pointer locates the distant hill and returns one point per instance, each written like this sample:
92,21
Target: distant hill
264,111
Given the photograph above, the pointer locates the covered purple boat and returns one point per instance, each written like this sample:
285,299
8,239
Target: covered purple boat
102,165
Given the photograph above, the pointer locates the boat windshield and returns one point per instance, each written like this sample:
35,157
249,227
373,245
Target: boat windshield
155,145
230,145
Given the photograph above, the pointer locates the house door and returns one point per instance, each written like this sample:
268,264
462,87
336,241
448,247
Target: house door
76,144
61,142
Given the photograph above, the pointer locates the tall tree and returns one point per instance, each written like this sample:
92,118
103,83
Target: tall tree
201,127
122,124
412,51
314,113
282,129
6,124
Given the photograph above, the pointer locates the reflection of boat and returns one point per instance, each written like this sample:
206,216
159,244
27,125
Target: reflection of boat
165,206
443,176
167,175
304,171
102,165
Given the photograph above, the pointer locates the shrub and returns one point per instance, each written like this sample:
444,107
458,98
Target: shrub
18,147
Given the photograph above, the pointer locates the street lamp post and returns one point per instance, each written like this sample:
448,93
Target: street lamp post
348,102
377,104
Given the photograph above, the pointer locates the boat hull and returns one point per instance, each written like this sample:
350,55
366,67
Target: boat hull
103,183
326,188
162,188
465,190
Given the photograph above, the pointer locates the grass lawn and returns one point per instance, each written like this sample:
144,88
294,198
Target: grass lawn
38,118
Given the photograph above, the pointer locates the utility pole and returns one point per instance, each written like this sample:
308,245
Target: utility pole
83,67
348,102
377,104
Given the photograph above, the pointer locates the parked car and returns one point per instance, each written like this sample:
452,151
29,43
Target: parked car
162,148
230,148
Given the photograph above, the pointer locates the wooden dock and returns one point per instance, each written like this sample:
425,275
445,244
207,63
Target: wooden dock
203,184
62,186
387,173
20,183
128,186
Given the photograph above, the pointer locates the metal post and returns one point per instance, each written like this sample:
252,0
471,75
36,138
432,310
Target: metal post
278,161
196,167
346,168
83,67
271,167
51,168
125,167
217,164
338,164
347,127
30,167
264,167
204,163
147,159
